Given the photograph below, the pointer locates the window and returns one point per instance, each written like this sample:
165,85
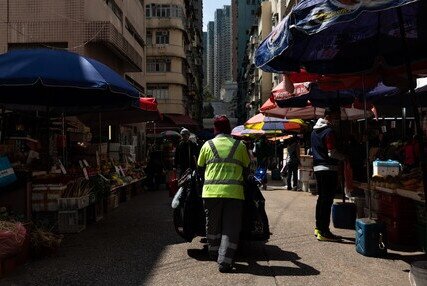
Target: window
158,65
158,91
148,11
163,11
162,37
115,8
149,38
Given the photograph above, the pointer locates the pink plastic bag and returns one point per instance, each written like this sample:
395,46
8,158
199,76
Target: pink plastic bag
11,241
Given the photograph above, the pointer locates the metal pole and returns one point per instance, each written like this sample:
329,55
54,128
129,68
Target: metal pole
64,140
100,132
404,122
414,101
365,115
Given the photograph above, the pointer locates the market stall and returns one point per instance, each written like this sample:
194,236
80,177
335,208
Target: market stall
55,169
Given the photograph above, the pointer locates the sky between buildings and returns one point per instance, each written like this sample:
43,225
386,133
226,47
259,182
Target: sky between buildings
209,7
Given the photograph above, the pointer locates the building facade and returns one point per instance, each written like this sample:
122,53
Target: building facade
244,15
255,85
210,54
205,58
175,55
110,31
222,48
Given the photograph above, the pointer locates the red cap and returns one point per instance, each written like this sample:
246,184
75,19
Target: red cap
222,125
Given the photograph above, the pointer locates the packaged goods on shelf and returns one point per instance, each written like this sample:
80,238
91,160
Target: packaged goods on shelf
386,168
45,197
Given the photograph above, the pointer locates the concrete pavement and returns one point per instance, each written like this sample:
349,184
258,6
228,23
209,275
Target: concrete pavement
136,245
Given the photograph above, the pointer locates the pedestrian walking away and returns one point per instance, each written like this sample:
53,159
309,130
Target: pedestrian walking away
325,161
185,154
224,162
293,161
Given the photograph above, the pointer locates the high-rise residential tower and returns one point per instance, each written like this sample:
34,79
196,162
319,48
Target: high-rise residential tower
222,48
210,61
244,15
175,55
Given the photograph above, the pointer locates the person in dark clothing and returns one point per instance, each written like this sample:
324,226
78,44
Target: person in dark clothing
186,154
262,152
293,161
325,162
357,157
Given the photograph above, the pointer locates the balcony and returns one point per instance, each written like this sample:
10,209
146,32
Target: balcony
108,35
160,23
166,50
167,78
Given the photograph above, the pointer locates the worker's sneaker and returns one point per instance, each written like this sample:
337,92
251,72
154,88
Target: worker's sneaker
316,231
225,268
328,236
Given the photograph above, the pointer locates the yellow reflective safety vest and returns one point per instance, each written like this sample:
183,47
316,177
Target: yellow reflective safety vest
224,159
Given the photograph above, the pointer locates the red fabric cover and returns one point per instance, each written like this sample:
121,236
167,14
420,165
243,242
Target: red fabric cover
148,103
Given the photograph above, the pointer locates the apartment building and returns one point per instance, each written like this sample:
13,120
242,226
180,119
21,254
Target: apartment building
111,31
210,60
175,55
244,14
255,85
222,48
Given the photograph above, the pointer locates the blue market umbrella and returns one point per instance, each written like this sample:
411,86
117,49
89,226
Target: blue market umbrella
336,36
61,79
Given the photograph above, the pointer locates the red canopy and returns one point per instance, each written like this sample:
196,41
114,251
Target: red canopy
395,76
270,108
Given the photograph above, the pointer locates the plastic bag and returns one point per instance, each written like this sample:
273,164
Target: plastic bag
175,201
348,179
11,240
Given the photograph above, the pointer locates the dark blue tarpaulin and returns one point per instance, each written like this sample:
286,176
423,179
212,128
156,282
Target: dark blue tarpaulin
336,36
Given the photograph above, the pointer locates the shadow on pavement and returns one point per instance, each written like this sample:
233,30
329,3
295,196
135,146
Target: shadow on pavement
124,246
406,258
251,253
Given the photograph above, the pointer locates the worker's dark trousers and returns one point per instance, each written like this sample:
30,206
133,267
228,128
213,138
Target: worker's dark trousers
223,225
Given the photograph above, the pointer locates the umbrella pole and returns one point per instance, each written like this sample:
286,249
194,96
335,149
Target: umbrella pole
365,115
63,139
404,122
342,180
414,101
48,138
100,132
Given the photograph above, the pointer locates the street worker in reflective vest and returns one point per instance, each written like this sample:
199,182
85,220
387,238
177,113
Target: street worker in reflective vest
226,162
